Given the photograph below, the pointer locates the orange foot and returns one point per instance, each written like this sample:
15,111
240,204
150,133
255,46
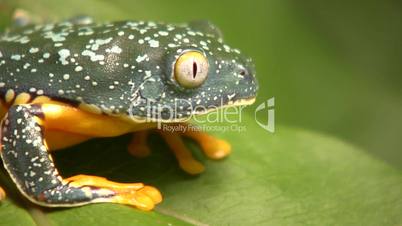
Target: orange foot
133,194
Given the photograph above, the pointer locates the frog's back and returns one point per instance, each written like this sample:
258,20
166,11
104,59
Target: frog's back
73,63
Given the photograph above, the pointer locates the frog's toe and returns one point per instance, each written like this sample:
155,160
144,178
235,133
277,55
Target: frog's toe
138,146
2,194
215,148
212,147
186,160
191,166
89,180
152,193
145,198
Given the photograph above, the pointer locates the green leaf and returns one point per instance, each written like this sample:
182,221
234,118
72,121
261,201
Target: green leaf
287,178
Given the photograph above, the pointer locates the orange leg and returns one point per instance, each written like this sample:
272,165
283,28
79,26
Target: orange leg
186,160
138,146
2,194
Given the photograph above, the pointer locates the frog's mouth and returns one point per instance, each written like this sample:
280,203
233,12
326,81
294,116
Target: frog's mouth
204,111
175,118
232,103
241,102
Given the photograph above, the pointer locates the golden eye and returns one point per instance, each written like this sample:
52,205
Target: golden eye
191,69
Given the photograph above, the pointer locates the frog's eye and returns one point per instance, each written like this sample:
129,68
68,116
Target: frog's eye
191,69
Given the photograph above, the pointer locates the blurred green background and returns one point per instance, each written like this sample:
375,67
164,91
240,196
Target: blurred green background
334,67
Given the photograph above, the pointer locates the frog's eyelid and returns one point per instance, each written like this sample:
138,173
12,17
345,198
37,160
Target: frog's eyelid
191,49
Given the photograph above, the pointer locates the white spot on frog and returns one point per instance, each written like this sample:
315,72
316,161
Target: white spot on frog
141,58
64,53
99,42
78,68
148,74
56,37
153,43
16,57
92,55
163,33
34,50
66,76
114,49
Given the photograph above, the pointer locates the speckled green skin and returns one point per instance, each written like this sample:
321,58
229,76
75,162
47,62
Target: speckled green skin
122,67
29,164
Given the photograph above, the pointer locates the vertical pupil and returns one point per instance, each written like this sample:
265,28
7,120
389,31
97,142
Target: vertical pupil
194,69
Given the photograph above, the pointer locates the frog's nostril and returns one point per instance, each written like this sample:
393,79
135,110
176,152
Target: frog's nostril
246,73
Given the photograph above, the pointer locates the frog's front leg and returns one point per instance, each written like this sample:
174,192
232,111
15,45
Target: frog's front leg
212,147
186,160
26,158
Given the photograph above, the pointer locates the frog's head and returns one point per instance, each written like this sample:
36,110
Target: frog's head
197,72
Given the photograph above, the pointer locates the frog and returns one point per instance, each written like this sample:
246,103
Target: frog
64,83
